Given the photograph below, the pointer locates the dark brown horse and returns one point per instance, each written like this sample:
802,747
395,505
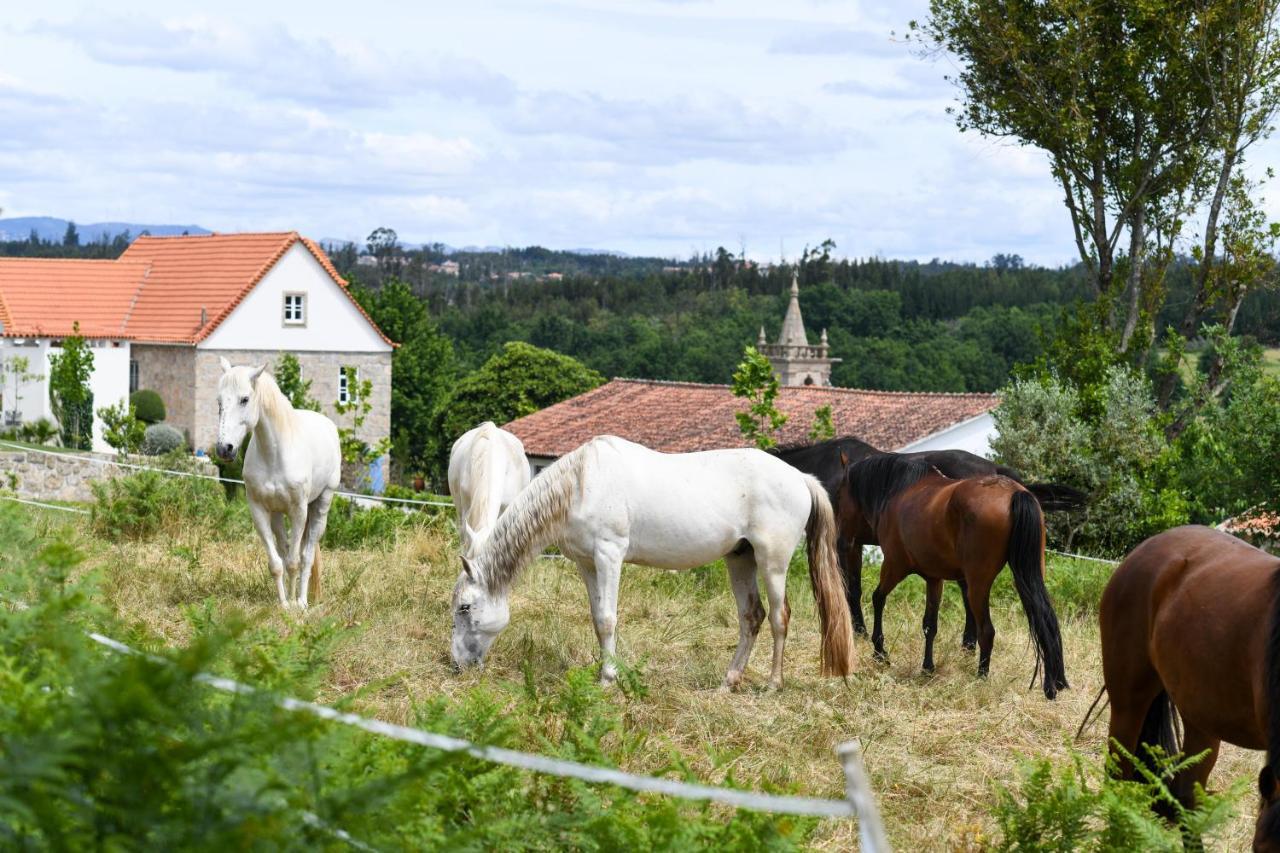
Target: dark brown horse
829,460
944,529
1190,629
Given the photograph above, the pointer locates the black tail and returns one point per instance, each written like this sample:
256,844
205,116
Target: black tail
1026,559
1159,728
1269,820
1055,497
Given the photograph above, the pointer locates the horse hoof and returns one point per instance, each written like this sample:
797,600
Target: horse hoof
773,687
969,646
927,669
881,658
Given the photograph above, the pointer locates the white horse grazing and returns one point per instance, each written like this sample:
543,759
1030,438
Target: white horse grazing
611,501
291,469
487,469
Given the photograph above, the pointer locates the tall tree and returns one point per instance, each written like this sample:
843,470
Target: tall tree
1126,98
71,237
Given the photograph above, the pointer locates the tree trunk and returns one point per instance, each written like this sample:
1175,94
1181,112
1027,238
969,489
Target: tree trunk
1137,242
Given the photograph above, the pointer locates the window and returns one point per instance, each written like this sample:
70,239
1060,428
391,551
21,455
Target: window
133,375
346,383
295,309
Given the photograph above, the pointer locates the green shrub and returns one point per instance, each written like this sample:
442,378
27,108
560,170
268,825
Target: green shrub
161,439
121,427
1073,808
148,405
39,431
353,526
137,506
104,751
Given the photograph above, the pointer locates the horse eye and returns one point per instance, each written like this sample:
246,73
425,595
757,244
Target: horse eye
244,401
464,608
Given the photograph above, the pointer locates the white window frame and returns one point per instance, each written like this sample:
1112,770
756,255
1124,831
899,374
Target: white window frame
133,375
300,305
346,376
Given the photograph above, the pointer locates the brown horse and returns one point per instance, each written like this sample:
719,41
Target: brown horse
1190,629
944,529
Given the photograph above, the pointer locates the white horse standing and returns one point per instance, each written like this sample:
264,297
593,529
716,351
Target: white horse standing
487,469
611,501
291,468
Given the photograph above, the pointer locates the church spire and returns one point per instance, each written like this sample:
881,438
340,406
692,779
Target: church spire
793,334
793,359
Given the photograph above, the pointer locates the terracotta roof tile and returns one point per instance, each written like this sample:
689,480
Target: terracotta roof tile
162,289
679,417
40,296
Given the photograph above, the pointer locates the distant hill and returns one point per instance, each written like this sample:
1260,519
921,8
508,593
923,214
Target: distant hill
53,229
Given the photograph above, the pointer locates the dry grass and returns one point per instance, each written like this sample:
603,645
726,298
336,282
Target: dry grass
935,746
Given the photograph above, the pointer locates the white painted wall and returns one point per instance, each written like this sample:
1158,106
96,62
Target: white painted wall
109,380
973,435
333,323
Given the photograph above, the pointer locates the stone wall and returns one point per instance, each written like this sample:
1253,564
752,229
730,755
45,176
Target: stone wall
170,371
65,476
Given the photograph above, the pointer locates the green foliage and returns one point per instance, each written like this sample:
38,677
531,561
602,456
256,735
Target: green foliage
15,371
69,393
1072,808
112,751
519,380
143,504
351,526
824,426
288,376
355,449
1120,458
159,439
148,406
423,368
755,381
39,431
122,428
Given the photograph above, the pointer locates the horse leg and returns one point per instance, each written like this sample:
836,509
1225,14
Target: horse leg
980,602
297,530
317,520
890,576
263,523
933,598
602,576
969,639
851,565
742,577
1194,742
775,585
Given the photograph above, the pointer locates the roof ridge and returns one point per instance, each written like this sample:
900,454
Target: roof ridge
213,234
128,313
206,328
836,388
68,260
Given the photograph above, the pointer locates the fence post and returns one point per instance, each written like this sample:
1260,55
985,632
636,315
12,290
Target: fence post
857,790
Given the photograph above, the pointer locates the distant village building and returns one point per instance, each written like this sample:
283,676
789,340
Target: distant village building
680,417
450,268
794,361
161,315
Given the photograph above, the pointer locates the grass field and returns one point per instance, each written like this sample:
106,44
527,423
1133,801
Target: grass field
935,746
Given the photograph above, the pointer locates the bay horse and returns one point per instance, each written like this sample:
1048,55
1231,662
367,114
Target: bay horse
829,460
946,529
1191,628
487,469
292,467
611,501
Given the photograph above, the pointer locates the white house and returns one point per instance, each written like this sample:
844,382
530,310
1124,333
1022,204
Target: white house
161,315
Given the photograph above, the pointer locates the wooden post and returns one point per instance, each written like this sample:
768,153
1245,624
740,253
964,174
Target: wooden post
857,789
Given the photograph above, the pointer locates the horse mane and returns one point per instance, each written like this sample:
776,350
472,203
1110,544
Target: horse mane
272,403
530,523
875,481
815,445
479,472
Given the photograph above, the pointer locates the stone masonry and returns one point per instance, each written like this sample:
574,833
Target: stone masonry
66,476
170,371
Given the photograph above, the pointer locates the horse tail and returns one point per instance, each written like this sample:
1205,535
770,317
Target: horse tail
1055,497
828,583
1273,704
313,581
1026,559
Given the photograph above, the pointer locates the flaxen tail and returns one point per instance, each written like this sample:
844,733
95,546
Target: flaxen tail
1026,560
828,584
313,582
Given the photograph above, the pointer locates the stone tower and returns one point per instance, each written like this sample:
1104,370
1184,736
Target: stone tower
793,360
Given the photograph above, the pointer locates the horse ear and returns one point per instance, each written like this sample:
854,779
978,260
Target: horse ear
1266,783
256,372
466,568
844,459
226,365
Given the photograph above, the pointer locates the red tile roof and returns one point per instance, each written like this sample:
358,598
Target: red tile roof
679,417
47,297
162,289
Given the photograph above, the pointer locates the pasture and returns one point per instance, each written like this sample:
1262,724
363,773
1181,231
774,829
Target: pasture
935,746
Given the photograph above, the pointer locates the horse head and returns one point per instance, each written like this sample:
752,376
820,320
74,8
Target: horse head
237,406
479,616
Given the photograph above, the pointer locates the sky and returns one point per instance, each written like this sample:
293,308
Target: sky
656,127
